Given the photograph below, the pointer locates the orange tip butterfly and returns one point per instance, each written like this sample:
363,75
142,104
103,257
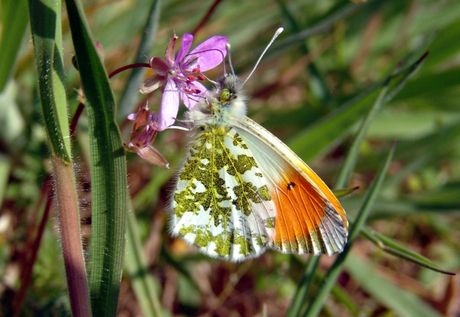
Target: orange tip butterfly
241,190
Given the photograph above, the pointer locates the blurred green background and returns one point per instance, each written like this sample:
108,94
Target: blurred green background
312,89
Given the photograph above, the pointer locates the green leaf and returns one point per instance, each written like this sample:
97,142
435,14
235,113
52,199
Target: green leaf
402,302
45,24
329,280
334,127
144,284
108,170
128,99
304,286
352,156
14,16
391,247
5,169
328,131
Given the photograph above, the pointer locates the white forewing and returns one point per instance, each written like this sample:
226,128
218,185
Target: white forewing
221,202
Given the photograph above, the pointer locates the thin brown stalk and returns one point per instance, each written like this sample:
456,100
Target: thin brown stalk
31,254
207,16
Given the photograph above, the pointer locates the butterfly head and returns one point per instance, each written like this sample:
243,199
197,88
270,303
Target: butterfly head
228,97
228,89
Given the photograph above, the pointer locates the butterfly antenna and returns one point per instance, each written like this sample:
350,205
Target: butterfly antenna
277,33
229,51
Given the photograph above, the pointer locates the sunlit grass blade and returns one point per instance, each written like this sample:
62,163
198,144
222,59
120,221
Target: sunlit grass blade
296,40
339,193
341,182
435,145
328,131
46,25
391,247
108,170
399,79
316,303
45,21
334,127
5,168
149,31
352,156
317,81
13,18
433,85
143,283
304,286
344,297
402,302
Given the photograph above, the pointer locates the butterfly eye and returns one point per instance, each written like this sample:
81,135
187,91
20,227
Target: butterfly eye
225,95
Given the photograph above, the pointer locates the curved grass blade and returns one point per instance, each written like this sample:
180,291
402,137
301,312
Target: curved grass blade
401,78
341,182
317,80
315,305
45,21
391,247
324,134
147,39
14,18
143,283
304,286
46,33
5,169
281,46
108,170
352,156
402,302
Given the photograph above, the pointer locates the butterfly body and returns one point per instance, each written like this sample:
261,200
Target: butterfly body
242,190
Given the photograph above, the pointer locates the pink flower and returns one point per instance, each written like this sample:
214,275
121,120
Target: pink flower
143,134
180,74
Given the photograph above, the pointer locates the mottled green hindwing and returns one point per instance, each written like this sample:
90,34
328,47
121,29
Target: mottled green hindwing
221,202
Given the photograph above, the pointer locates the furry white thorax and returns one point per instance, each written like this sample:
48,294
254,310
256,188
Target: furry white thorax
226,100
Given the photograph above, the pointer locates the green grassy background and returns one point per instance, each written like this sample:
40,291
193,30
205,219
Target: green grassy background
312,89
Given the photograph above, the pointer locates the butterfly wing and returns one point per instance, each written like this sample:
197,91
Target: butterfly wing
309,218
221,202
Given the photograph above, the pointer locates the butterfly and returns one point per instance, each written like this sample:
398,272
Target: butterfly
241,190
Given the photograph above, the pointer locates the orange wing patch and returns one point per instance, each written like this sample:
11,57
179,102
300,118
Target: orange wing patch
307,221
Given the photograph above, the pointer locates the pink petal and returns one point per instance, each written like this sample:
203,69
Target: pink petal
190,100
211,52
187,40
169,106
152,83
159,65
132,116
171,50
152,155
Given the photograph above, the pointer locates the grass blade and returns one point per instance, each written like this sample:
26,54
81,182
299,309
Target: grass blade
108,170
5,169
303,286
402,302
135,78
352,156
14,18
136,265
46,33
391,247
328,131
45,20
329,280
